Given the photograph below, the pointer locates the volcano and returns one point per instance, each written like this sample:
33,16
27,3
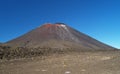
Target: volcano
58,35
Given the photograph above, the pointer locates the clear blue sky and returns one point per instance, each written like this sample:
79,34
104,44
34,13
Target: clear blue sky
99,19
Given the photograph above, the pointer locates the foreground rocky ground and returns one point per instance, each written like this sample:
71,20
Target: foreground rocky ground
98,62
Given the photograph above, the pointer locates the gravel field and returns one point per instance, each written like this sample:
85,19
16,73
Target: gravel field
98,62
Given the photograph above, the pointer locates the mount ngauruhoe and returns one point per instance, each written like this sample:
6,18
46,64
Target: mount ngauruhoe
57,35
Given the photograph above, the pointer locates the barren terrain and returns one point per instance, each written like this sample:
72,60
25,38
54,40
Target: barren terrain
98,62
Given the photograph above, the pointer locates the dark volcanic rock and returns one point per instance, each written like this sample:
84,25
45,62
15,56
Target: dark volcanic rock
57,35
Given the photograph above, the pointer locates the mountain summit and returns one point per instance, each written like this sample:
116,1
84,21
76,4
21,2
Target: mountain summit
58,35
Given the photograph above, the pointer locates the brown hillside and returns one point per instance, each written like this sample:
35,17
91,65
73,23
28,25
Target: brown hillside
57,35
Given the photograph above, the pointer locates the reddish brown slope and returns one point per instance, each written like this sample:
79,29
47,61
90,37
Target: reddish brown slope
57,35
